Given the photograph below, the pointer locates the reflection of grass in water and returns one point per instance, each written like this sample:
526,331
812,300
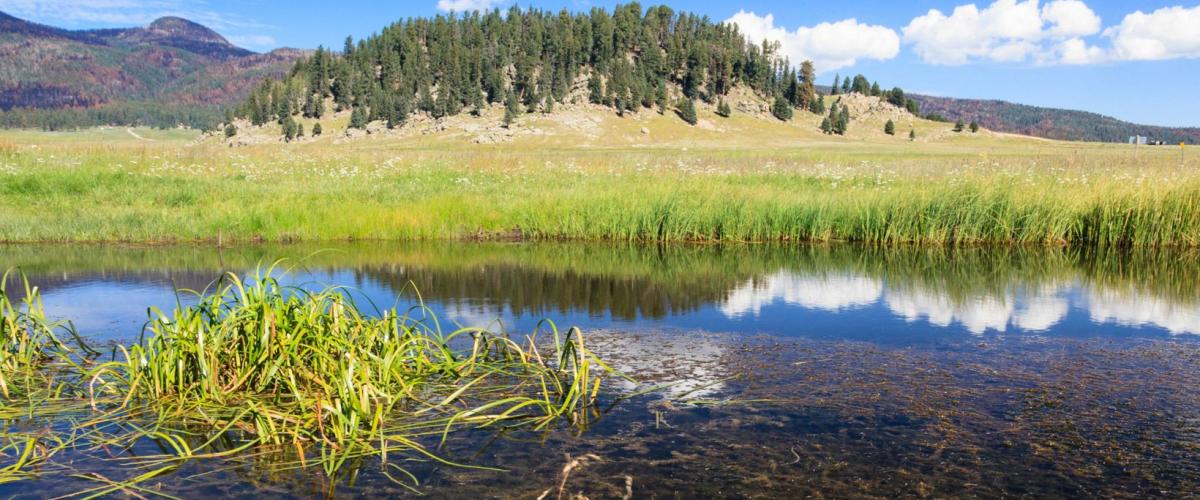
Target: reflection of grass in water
280,367
630,279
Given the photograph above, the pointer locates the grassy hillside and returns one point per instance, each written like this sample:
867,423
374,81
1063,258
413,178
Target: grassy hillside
592,175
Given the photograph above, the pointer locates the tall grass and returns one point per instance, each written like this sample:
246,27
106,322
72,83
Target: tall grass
956,193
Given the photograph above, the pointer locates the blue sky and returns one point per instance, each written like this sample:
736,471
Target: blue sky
1137,61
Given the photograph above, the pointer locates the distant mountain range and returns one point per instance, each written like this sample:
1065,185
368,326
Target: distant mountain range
175,71
171,72
1049,122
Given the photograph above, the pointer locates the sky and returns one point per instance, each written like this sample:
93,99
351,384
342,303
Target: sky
1134,60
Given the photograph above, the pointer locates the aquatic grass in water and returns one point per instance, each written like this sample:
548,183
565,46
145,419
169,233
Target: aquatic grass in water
257,363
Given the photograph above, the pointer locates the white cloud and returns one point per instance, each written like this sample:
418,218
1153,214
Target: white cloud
830,46
1070,18
1056,33
1005,31
1167,33
468,5
1076,51
253,41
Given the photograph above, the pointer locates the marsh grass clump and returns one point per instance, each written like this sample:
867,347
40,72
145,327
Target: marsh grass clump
30,345
278,365
256,368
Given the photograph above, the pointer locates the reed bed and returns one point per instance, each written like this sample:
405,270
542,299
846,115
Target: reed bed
258,365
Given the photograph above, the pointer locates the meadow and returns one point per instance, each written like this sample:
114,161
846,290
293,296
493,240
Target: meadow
645,179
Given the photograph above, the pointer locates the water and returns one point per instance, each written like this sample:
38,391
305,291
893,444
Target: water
838,370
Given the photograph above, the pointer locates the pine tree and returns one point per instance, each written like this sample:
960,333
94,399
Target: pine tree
846,86
912,134
958,125
358,118
889,128
299,130
723,109
818,106
974,127
687,111
826,127
660,97
782,109
512,107
861,85
595,89
912,106
843,122
316,131
230,130
808,89
289,128
875,90
837,83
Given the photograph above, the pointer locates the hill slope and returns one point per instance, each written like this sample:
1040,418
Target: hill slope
170,72
1050,123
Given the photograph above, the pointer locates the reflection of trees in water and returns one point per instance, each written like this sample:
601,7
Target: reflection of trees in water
540,292
48,283
631,281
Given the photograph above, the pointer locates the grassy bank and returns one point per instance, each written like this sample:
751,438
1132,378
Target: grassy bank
956,190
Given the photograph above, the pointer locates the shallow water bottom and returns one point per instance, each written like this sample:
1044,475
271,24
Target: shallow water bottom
769,417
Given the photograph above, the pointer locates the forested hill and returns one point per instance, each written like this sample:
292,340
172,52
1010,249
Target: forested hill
1048,122
532,60
170,72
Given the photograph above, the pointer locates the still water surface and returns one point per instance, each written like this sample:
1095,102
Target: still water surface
840,370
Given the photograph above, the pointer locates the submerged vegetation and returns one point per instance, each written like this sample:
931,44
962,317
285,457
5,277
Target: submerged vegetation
257,364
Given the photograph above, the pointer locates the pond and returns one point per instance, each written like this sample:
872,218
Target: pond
838,370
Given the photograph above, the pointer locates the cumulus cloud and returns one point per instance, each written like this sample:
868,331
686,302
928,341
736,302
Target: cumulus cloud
1005,31
1055,33
1070,18
830,46
1167,33
469,5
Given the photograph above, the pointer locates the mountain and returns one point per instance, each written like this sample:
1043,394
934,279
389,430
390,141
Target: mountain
1050,123
170,72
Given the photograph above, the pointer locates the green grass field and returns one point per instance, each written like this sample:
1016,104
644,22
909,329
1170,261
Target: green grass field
603,178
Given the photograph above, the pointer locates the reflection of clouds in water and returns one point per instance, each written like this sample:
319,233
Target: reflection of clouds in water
475,315
689,363
1038,310
977,315
834,292
1130,309
1041,312
115,311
